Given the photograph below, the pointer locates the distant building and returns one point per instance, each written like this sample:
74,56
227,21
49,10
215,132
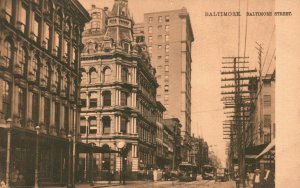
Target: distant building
169,37
260,132
40,46
173,124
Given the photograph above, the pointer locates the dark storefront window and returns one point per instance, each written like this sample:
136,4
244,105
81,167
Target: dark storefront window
66,120
47,113
57,116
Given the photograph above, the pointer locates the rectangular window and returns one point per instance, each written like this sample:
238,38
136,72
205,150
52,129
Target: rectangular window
46,36
159,46
167,28
21,105
123,128
150,49
93,126
8,9
5,98
166,97
267,121
166,88
167,68
150,19
66,49
22,18
159,28
167,48
83,102
35,28
93,102
159,19
167,38
83,126
167,57
267,100
56,43
123,99
167,18
35,107
150,39
150,29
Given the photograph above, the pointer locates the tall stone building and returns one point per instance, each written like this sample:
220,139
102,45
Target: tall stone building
118,94
40,45
169,36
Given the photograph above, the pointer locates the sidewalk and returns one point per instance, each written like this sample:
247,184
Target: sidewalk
100,184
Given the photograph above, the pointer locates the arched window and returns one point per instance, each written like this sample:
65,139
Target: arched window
106,98
107,74
35,64
93,125
83,76
6,105
93,75
124,74
22,56
123,128
8,52
106,125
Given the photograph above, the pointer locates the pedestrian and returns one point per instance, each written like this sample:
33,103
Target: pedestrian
269,179
257,179
237,180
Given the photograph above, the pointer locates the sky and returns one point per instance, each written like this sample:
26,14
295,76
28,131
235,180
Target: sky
215,37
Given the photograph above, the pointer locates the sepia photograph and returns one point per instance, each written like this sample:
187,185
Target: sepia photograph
149,93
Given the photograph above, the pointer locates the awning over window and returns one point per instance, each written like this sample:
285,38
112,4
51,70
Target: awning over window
267,149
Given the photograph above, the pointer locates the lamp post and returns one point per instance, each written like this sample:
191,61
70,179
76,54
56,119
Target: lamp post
70,161
92,166
8,148
36,171
120,146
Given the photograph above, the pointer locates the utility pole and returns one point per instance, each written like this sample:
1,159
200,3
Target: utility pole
260,48
238,100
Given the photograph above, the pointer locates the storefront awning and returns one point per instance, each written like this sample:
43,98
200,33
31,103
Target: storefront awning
267,149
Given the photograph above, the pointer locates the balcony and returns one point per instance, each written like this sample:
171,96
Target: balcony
18,70
31,77
5,15
43,83
20,26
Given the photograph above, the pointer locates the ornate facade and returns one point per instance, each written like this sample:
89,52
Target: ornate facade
118,94
40,45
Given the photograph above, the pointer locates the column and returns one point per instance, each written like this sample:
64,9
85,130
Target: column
99,103
8,157
99,127
87,100
86,128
